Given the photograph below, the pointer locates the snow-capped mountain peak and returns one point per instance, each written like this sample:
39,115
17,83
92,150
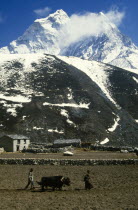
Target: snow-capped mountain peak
41,37
108,46
58,34
55,20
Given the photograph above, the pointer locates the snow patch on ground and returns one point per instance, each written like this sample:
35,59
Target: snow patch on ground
81,105
24,117
38,128
70,95
115,125
104,141
136,80
55,131
17,98
12,111
65,114
11,108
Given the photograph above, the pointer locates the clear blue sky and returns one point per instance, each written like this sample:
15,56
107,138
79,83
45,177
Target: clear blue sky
17,15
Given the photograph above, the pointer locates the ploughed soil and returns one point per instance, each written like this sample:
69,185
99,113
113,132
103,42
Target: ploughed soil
115,187
78,154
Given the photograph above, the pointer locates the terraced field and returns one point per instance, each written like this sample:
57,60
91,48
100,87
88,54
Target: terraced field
115,187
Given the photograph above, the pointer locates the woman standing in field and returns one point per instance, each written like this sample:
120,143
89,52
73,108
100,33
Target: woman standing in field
30,179
88,184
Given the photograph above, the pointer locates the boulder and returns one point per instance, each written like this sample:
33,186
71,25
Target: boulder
68,153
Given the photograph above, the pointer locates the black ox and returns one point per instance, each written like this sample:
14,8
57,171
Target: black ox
56,182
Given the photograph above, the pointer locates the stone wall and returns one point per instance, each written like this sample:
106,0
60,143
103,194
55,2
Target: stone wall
46,148
111,148
80,162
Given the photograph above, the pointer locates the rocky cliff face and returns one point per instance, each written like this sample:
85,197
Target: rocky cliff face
48,97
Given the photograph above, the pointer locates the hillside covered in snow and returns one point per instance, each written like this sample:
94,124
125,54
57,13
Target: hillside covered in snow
48,97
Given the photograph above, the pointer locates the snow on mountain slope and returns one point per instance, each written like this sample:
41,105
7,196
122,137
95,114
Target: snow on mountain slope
41,37
109,46
21,65
48,97
98,72
106,49
113,82
48,35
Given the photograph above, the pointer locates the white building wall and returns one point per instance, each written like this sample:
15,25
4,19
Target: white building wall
1,150
14,145
21,144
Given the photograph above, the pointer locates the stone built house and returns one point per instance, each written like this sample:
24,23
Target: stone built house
14,143
67,142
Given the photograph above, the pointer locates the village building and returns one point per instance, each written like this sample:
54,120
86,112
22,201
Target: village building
14,143
67,142
1,150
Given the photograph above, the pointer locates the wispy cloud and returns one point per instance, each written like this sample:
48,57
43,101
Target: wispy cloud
42,12
88,24
115,16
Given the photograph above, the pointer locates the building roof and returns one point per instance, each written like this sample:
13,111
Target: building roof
16,136
67,141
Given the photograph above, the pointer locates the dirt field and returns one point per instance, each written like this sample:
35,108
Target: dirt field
115,187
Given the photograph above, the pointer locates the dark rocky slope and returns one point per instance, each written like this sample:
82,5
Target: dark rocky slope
63,102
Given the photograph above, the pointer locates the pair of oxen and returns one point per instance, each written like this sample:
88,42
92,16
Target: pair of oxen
55,182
